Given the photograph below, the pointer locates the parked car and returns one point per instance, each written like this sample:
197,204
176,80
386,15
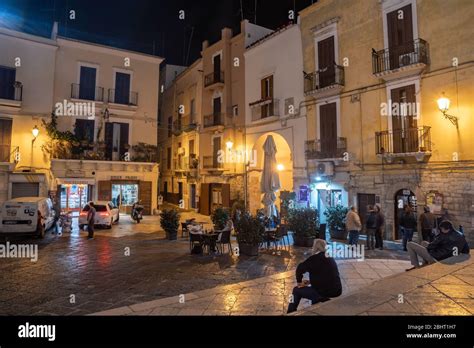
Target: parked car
27,215
106,215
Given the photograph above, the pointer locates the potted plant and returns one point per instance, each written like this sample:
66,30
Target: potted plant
250,232
219,218
335,217
169,221
303,222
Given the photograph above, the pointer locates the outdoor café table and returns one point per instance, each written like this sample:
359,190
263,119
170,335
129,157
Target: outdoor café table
210,240
269,232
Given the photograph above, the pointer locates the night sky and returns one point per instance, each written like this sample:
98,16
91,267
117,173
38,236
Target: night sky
150,26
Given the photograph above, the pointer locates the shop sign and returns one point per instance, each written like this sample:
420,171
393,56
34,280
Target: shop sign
124,178
434,200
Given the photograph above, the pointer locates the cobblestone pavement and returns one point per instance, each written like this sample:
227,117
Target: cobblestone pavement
76,276
445,288
262,296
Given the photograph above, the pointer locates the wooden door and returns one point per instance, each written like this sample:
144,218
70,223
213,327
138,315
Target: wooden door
215,151
326,62
328,129
144,195
217,68
217,111
400,35
226,195
204,203
104,192
404,123
363,200
267,93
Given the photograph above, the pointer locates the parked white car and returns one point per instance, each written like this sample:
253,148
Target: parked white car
106,215
22,216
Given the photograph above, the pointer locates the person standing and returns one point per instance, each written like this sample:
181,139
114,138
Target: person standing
427,224
90,220
380,222
353,225
370,227
407,225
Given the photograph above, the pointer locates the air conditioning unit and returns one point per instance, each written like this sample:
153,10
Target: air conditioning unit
181,151
404,59
325,169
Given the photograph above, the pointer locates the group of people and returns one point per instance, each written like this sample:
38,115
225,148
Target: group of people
374,223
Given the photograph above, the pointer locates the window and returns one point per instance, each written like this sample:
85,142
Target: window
7,83
122,88
5,139
192,109
87,83
116,139
168,158
191,147
170,126
235,110
267,93
84,130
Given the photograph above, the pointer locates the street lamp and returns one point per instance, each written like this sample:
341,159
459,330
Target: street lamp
443,106
280,167
35,131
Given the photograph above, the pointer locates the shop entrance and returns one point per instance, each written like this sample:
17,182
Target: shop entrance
74,197
124,195
402,198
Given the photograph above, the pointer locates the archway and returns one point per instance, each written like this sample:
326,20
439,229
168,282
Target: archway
285,164
402,197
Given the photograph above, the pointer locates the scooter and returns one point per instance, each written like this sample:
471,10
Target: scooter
137,212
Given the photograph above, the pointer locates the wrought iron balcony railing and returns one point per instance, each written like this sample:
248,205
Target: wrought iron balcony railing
411,53
215,119
86,92
264,108
211,162
329,76
326,148
127,98
213,78
401,141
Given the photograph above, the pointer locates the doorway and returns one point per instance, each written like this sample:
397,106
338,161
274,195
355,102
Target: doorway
124,196
402,198
192,196
74,197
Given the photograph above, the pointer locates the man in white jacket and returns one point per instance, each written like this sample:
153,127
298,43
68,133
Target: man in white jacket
353,225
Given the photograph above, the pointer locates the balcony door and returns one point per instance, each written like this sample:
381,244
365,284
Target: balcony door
5,139
122,88
116,139
328,129
216,110
404,123
216,142
267,94
7,83
87,83
326,62
400,36
217,67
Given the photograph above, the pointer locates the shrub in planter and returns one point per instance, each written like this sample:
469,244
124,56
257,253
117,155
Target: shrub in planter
250,232
169,221
304,223
335,217
219,218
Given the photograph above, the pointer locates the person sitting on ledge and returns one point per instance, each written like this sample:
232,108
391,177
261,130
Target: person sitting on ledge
446,244
323,278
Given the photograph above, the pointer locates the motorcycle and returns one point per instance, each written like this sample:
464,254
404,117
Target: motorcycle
137,212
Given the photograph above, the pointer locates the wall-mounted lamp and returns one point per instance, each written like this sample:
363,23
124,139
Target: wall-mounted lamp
229,144
35,131
443,106
280,167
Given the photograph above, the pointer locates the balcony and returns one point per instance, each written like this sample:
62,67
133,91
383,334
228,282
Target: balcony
186,164
401,61
265,109
211,163
11,95
177,127
324,83
214,79
214,120
414,142
87,93
326,148
129,99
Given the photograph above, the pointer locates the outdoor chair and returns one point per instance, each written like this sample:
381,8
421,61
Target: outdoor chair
184,229
224,239
279,236
194,239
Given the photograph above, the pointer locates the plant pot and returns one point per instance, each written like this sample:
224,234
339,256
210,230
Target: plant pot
303,241
172,235
338,233
248,249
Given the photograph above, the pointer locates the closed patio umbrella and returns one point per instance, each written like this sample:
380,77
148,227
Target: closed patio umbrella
270,182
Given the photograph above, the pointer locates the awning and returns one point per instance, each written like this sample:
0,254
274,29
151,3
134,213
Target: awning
75,181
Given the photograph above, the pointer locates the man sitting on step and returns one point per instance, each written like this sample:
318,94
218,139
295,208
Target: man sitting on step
323,278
